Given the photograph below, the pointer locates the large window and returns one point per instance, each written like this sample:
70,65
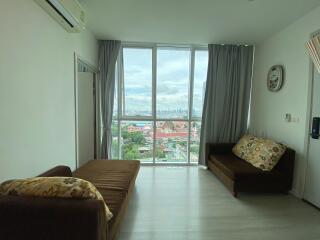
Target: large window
137,82
158,103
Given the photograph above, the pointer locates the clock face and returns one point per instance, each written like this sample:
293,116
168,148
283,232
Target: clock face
275,78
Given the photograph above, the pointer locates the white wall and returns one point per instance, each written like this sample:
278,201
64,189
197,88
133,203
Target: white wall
269,109
37,125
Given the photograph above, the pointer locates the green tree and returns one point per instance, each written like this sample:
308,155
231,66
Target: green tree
194,148
160,153
131,151
183,143
134,137
114,129
137,137
124,133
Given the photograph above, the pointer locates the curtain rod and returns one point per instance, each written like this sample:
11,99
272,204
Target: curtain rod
230,44
152,44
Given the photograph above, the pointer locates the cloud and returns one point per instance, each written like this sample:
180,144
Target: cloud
165,90
173,69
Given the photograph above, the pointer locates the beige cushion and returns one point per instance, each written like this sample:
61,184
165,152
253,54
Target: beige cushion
261,153
62,187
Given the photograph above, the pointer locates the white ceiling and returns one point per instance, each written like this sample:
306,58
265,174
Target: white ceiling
192,21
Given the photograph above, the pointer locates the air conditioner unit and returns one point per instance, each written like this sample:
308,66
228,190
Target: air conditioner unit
313,47
68,13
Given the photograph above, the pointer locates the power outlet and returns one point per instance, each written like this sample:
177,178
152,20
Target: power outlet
289,118
295,119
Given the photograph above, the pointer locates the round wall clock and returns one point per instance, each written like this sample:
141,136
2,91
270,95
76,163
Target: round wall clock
275,78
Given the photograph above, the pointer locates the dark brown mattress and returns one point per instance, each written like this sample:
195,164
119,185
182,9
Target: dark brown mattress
115,180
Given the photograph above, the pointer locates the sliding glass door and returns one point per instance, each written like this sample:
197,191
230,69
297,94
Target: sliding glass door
158,103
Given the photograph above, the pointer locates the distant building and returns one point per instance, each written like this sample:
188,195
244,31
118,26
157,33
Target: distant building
144,149
139,127
171,135
135,129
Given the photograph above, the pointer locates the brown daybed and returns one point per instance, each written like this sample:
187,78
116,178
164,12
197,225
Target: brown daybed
72,219
240,176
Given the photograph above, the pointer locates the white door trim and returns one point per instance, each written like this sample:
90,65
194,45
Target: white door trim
308,121
95,72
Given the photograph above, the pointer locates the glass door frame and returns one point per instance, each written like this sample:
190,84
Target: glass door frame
120,93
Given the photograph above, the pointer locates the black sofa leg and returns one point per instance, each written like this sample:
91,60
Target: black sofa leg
235,194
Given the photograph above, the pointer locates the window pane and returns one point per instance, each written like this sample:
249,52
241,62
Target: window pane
172,82
171,141
200,77
137,82
195,141
137,141
115,142
115,103
115,126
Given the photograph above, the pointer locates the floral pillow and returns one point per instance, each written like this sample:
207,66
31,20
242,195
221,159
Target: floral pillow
62,187
261,153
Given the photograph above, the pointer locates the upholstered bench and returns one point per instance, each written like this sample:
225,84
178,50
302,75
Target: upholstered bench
240,176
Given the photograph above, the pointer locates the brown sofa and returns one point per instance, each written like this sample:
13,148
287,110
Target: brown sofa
72,219
240,176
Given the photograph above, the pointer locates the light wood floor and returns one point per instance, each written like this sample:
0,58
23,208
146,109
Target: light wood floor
189,203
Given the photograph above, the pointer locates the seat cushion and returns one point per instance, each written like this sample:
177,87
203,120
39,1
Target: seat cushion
114,199
114,179
240,170
109,174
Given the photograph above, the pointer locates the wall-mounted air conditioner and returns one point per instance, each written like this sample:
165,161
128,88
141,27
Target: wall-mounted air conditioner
313,46
68,13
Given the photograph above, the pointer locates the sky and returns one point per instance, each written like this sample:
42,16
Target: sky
173,69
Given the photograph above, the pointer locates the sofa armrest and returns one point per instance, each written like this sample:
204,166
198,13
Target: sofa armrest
52,219
286,165
218,148
58,171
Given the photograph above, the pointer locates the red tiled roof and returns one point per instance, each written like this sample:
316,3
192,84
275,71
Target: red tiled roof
171,135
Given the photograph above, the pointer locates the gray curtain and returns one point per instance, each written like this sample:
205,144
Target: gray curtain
227,96
108,54
82,67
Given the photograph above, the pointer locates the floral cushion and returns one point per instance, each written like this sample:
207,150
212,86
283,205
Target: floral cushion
261,153
62,187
